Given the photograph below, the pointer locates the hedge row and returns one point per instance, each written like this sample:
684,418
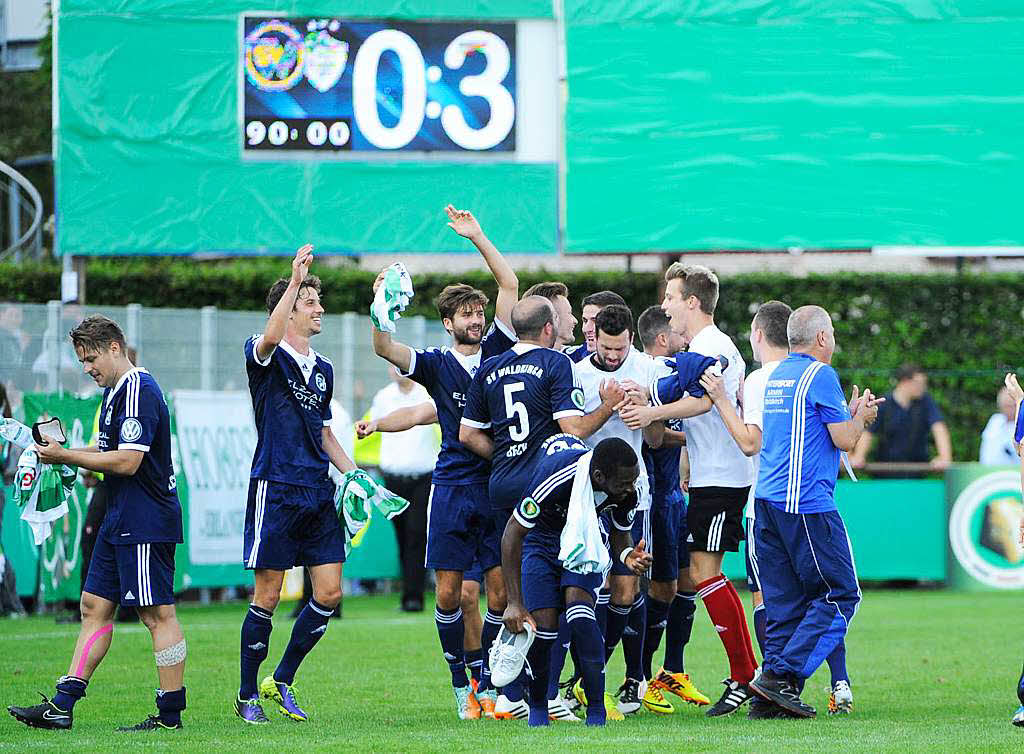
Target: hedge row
965,329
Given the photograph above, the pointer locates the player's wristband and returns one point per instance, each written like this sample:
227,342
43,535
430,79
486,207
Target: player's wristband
624,554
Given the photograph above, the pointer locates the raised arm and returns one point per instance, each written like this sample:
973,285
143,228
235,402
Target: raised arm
273,333
384,346
638,417
463,223
846,435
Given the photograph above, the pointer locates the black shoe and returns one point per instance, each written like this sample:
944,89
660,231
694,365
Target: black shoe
412,605
762,709
150,723
628,697
565,689
45,715
781,692
734,696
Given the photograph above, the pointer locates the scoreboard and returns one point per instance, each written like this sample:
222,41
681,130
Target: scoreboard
360,88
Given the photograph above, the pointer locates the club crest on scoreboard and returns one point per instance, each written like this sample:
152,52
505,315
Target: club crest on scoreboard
275,56
326,57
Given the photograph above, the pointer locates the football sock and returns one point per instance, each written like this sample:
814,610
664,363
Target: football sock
539,660
601,610
255,646
678,629
587,638
737,603
309,627
492,625
618,617
558,651
728,620
760,624
837,664
451,632
170,704
475,661
633,639
69,690
657,618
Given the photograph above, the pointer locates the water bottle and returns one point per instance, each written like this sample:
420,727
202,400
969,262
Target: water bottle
15,432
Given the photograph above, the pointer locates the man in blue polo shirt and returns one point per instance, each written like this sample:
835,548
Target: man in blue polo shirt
133,561
804,556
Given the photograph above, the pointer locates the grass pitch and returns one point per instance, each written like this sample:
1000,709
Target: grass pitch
931,671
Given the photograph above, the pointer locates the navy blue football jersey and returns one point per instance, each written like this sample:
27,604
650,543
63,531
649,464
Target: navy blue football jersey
663,467
143,507
687,367
576,353
447,374
291,403
520,395
546,505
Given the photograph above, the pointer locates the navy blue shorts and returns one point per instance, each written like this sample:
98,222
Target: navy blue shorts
461,529
641,530
753,578
287,525
544,579
135,575
669,532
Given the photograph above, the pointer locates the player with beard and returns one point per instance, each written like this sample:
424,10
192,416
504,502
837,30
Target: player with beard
592,306
460,527
615,359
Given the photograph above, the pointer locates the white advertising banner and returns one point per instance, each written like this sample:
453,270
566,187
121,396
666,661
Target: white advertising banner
216,440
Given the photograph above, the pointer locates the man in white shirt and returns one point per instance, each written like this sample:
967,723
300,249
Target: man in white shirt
997,446
720,476
406,462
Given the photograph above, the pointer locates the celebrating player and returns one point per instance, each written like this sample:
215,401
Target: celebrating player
539,586
461,528
592,306
133,560
290,518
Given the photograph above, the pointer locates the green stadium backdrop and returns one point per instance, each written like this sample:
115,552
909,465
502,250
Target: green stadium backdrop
689,125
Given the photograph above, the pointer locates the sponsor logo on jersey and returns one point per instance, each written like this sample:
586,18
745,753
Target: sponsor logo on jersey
131,430
578,398
321,383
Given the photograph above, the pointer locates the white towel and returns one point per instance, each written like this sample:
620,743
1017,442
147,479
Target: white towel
581,547
391,298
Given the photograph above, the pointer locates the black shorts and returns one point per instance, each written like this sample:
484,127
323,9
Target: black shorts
715,518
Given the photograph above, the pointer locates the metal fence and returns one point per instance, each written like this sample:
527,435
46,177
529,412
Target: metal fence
196,349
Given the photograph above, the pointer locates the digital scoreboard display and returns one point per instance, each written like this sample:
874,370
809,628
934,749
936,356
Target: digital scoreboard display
331,85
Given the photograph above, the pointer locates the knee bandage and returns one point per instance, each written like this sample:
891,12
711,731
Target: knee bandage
171,655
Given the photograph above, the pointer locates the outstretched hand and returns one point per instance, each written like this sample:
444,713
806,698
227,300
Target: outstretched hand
300,265
463,222
639,560
1014,387
365,428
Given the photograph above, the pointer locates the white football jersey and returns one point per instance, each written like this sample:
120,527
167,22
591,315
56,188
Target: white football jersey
638,367
753,413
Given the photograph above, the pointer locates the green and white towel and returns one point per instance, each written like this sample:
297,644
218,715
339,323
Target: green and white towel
391,298
353,499
42,492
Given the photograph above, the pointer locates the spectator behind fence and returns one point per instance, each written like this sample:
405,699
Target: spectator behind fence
997,446
905,420
406,461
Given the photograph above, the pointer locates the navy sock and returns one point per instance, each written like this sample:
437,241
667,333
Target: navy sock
633,639
587,638
492,625
69,690
558,651
678,628
601,610
837,664
255,646
309,627
451,632
760,626
657,618
539,661
475,662
618,617
170,705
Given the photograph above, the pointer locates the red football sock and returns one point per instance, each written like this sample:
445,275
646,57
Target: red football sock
743,623
730,623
